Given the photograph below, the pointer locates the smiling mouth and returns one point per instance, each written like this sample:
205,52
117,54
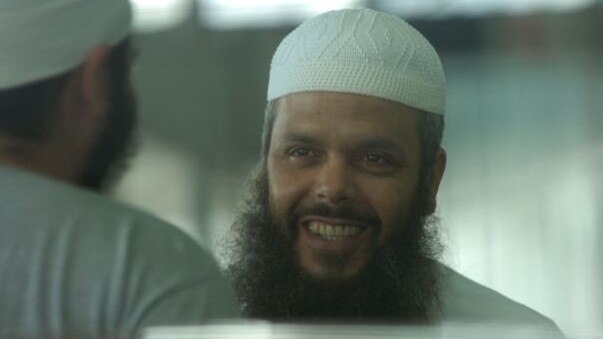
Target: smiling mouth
333,232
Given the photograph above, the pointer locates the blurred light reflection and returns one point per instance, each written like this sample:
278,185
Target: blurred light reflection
157,15
439,8
232,14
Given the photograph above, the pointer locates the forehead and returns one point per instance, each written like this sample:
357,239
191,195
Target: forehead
347,117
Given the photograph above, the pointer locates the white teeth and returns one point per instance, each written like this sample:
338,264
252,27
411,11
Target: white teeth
333,232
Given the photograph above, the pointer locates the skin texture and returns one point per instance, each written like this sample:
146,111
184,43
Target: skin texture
358,158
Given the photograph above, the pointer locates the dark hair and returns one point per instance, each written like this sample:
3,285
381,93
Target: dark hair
431,130
27,111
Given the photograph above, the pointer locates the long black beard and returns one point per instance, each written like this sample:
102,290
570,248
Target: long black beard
399,284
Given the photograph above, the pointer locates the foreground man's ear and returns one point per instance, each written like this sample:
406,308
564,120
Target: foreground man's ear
82,114
95,80
436,173
87,96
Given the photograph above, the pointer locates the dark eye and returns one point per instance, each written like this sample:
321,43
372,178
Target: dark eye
300,152
376,159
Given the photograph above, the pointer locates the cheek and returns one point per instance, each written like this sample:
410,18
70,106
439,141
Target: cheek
393,204
284,193
277,199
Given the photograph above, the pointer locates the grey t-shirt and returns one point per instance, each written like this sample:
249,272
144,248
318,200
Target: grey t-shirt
76,264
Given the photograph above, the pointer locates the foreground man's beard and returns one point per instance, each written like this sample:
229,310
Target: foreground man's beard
399,283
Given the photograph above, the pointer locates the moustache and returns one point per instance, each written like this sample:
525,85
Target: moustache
345,212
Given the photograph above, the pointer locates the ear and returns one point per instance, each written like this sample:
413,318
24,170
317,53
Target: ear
94,82
436,173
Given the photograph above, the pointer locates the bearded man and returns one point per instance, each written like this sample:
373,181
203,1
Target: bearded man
340,224
73,263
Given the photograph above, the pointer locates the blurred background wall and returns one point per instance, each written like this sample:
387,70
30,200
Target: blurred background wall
521,200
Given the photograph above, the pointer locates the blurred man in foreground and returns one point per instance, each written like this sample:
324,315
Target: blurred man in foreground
73,263
339,224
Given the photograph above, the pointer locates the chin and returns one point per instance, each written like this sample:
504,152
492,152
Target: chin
330,273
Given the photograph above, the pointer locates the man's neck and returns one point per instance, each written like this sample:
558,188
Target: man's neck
35,157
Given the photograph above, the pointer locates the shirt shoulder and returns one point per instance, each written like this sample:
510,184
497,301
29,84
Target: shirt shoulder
464,300
43,205
92,224
133,269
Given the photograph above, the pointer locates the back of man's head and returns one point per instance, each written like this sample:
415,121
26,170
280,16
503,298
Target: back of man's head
44,43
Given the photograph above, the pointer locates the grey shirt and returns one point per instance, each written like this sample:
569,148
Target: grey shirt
76,264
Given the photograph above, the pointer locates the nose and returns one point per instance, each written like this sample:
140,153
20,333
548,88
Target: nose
334,182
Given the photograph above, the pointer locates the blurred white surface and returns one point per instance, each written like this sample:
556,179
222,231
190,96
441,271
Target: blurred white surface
233,14
236,14
443,8
264,330
158,15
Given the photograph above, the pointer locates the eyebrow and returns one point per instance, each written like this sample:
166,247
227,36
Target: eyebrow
379,143
301,138
376,143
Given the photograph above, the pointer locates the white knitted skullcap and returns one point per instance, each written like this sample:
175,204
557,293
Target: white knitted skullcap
42,38
360,51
